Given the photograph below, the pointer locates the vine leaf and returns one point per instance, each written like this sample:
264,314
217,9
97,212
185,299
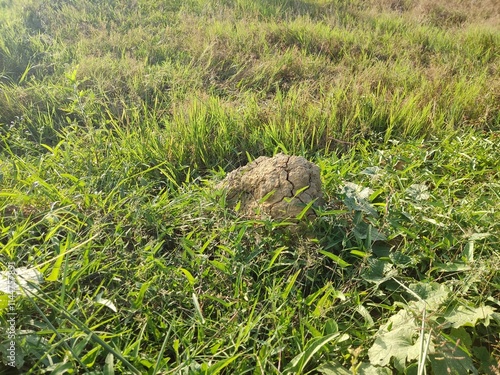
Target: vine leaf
468,316
397,339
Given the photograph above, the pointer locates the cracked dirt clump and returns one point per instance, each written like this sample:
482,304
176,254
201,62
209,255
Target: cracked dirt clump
278,187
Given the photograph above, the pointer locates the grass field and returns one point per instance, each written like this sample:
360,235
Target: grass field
117,120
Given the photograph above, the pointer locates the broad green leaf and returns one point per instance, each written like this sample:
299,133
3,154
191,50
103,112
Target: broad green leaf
357,198
373,172
434,294
331,326
486,359
468,316
378,271
451,360
397,339
469,251
365,231
17,361
358,191
219,265
461,336
400,259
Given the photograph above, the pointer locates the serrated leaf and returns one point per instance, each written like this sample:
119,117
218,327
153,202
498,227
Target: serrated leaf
356,190
418,192
371,171
362,229
464,316
434,294
357,198
400,259
378,271
396,339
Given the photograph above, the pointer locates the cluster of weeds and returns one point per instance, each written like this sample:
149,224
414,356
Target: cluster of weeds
143,275
118,118
309,73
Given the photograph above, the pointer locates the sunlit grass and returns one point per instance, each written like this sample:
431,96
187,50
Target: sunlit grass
117,120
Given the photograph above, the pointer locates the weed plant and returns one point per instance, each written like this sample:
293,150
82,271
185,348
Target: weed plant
117,120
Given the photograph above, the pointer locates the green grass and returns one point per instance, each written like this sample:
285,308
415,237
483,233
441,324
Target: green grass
117,120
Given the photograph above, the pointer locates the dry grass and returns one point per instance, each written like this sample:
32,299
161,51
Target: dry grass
443,13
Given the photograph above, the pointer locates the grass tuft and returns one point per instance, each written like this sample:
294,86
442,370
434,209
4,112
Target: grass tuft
117,120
